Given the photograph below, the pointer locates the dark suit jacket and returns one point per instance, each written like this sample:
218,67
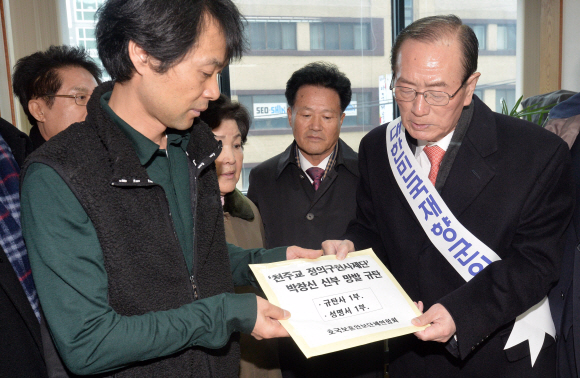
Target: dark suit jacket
510,185
292,211
20,341
565,296
21,350
18,141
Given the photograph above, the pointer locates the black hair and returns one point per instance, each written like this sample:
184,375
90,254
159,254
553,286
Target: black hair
223,109
436,28
319,74
165,29
37,75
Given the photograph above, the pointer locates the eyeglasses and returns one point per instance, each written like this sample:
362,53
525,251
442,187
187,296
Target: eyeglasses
81,99
436,98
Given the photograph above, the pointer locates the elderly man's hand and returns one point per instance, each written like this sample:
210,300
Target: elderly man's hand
267,324
442,324
295,252
340,248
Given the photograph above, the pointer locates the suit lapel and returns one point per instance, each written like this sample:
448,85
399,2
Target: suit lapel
470,172
324,186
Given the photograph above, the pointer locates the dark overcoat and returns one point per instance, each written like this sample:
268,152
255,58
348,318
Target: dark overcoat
294,213
511,186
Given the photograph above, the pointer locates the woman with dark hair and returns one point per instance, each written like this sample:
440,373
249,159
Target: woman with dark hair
230,123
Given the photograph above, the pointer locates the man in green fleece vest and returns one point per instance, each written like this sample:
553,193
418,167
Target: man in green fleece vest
129,254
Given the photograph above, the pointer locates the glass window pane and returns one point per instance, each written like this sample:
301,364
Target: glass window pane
316,36
511,37
258,35
480,32
91,44
408,12
273,36
506,37
331,36
346,36
356,36
81,33
507,95
502,42
361,36
288,35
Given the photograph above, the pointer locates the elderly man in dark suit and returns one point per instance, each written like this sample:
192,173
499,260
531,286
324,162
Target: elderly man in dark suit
507,182
306,195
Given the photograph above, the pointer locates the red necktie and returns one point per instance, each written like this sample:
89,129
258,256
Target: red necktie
315,174
435,155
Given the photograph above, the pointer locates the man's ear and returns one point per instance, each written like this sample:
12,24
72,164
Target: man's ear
139,57
36,108
289,112
470,88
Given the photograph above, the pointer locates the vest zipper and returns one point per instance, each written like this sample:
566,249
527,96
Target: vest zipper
193,191
195,171
191,278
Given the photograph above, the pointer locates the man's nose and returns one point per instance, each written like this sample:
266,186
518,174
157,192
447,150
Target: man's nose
420,107
316,123
212,90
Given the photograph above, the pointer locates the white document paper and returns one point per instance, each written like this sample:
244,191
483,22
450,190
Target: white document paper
336,304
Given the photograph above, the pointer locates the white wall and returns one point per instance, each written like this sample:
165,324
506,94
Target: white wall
571,46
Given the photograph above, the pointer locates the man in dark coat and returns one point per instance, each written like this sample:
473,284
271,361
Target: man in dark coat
507,181
305,196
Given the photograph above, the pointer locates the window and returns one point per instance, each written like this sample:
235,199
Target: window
408,12
480,32
272,35
339,36
266,111
506,37
86,38
85,9
358,112
508,95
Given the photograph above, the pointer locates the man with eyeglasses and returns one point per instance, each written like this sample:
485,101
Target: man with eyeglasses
467,208
53,87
